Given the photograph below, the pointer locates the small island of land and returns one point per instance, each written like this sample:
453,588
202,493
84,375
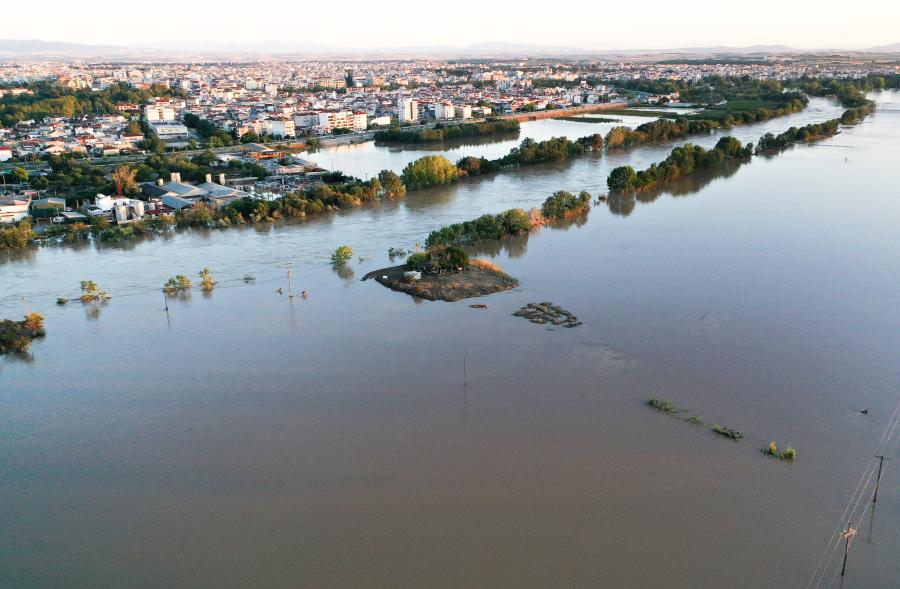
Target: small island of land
478,279
16,336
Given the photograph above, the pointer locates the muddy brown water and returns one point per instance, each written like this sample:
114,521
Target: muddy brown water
243,439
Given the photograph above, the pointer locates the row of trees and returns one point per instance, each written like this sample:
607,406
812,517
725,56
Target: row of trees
559,205
530,152
51,99
442,132
682,161
666,130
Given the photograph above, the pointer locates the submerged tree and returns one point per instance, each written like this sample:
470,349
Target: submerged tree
90,292
341,256
177,284
207,283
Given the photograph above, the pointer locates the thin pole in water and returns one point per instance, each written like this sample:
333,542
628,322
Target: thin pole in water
881,460
290,281
848,533
165,300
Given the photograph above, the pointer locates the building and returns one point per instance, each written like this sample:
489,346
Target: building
360,121
340,119
14,208
444,111
155,113
5,153
170,131
464,112
408,110
282,127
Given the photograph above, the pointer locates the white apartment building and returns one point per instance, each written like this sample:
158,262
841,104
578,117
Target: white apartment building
281,126
341,119
170,131
444,111
306,120
464,112
360,121
408,110
159,113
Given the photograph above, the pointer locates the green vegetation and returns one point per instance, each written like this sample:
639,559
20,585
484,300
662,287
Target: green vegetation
396,252
417,261
446,258
207,282
91,293
662,405
178,284
528,152
511,222
341,256
430,170
216,136
62,301
16,336
727,432
786,454
682,161
455,131
50,99
564,204
391,184
17,235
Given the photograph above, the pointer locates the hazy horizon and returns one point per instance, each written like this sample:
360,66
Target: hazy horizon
174,25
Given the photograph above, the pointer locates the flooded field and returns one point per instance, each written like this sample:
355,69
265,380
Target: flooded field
244,438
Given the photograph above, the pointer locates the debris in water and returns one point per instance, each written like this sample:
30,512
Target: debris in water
547,312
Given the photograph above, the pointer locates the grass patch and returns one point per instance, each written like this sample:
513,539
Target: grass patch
695,419
664,405
786,454
727,432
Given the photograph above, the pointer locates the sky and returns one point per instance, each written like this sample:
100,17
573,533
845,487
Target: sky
350,24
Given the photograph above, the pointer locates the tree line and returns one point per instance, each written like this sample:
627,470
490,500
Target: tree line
559,205
51,99
442,132
681,161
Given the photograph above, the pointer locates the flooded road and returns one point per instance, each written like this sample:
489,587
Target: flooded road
244,439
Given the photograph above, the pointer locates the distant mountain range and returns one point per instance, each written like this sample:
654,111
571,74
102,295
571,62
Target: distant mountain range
237,51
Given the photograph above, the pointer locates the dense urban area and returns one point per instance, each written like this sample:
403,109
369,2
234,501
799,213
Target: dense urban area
89,145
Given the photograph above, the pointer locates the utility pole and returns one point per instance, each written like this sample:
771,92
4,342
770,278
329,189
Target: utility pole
881,460
165,300
848,534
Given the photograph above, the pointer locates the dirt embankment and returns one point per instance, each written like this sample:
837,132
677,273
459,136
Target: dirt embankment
454,286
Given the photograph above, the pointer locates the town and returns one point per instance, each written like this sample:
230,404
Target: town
263,121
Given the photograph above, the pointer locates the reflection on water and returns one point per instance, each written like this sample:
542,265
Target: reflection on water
246,438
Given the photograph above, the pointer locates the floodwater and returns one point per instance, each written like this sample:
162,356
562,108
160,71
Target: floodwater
245,439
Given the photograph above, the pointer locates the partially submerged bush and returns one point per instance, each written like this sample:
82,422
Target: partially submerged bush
727,432
90,292
207,283
177,284
16,336
786,454
341,256
34,321
661,405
